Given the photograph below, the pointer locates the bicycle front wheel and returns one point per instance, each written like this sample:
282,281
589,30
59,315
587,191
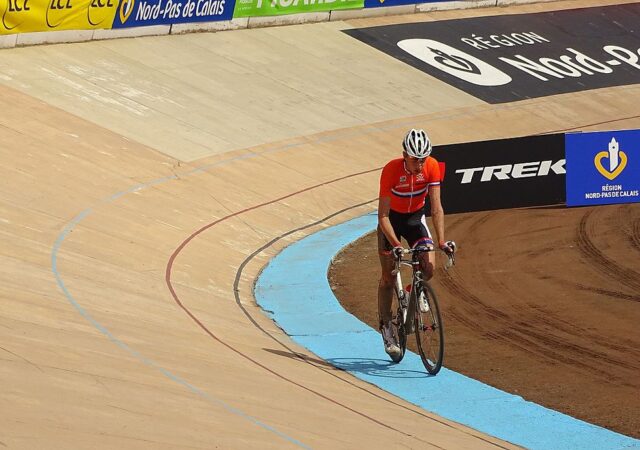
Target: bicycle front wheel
429,330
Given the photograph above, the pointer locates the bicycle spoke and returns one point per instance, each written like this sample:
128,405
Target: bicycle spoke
429,334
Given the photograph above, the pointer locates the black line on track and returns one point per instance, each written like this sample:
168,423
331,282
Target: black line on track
303,358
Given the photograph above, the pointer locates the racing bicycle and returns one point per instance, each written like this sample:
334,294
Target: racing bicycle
418,311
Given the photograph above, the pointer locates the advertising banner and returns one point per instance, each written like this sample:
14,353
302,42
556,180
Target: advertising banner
256,8
24,16
603,167
383,3
136,13
514,57
505,173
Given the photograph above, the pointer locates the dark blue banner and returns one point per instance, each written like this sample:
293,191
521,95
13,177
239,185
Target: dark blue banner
603,167
514,57
136,13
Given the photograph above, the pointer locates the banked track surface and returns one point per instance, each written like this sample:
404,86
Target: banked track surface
108,261
90,219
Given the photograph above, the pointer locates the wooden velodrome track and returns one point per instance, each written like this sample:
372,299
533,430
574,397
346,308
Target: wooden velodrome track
139,175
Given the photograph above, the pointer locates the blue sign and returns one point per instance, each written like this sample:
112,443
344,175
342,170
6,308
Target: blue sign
603,167
137,13
382,3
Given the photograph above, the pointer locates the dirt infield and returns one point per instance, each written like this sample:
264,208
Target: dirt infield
543,303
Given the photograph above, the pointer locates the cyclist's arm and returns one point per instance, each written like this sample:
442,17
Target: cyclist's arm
437,213
384,206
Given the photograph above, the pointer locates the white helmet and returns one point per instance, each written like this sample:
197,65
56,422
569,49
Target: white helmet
417,144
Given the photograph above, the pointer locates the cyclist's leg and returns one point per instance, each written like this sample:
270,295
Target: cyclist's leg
427,264
385,287
385,298
419,234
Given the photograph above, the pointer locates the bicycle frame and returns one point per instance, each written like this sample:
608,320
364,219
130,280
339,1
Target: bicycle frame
403,296
416,315
416,278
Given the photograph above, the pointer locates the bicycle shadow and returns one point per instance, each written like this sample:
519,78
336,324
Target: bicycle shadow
301,357
373,367
376,368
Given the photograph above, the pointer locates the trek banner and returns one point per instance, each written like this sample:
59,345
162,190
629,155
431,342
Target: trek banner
504,173
136,13
603,167
25,16
256,8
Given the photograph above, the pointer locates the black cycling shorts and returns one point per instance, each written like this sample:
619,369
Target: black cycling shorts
410,226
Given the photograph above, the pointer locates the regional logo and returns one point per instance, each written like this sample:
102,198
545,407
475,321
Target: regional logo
126,8
611,176
617,160
454,62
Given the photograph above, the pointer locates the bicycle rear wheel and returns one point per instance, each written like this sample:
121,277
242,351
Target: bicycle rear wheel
429,331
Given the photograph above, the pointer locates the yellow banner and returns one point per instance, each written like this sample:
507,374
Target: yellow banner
25,16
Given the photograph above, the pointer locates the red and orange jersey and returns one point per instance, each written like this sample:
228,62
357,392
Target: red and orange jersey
407,191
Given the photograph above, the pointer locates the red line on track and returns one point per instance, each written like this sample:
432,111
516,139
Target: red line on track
206,330
206,227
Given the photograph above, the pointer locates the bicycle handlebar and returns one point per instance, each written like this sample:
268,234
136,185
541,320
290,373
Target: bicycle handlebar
420,249
425,249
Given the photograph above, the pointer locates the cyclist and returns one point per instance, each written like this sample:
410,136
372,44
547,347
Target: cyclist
404,184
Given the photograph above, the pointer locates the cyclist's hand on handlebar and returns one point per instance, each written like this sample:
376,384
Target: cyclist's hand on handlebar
448,247
397,251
